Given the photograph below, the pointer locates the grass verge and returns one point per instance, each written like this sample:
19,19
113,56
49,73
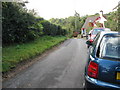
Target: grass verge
12,55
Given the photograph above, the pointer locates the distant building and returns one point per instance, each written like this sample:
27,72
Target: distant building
93,21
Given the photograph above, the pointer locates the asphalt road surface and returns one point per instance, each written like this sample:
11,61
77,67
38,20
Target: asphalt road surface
62,68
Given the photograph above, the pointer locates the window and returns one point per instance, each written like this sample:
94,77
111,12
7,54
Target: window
110,47
94,43
96,39
95,31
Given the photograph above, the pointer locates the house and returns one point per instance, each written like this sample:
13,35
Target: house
88,23
92,22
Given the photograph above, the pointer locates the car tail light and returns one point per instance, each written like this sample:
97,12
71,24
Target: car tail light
91,40
93,69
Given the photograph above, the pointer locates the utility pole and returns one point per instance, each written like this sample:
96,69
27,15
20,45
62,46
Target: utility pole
76,20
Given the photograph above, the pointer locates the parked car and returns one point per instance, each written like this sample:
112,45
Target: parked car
94,32
107,29
75,34
103,66
89,34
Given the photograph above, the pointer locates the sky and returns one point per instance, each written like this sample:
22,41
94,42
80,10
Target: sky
64,8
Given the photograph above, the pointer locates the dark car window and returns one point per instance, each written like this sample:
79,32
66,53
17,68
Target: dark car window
110,47
96,39
94,43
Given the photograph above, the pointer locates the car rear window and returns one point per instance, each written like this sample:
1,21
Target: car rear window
95,31
110,47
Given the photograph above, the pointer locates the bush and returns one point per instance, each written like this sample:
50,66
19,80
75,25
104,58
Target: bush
17,23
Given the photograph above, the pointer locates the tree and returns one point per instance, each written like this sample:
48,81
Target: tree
111,21
17,23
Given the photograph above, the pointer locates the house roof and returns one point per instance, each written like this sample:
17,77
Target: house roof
89,19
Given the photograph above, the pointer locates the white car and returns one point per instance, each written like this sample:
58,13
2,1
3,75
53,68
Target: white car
107,29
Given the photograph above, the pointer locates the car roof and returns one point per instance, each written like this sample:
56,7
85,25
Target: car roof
103,28
98,28
109,33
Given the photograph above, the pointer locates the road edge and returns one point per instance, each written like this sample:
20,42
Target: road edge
27,63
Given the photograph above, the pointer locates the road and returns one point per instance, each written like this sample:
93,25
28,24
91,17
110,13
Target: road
62,68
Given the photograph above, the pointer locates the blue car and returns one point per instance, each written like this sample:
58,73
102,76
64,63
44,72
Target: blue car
103,66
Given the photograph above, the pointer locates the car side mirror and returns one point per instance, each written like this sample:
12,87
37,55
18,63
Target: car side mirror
88,43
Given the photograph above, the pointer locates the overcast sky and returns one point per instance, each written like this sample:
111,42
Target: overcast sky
65,8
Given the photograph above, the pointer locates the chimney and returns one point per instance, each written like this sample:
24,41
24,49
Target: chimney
101,12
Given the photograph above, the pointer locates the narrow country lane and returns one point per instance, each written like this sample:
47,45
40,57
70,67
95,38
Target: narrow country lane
62,68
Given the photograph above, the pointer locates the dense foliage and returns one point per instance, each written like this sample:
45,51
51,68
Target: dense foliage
70,24
111,22
52,29
16,23
21,25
